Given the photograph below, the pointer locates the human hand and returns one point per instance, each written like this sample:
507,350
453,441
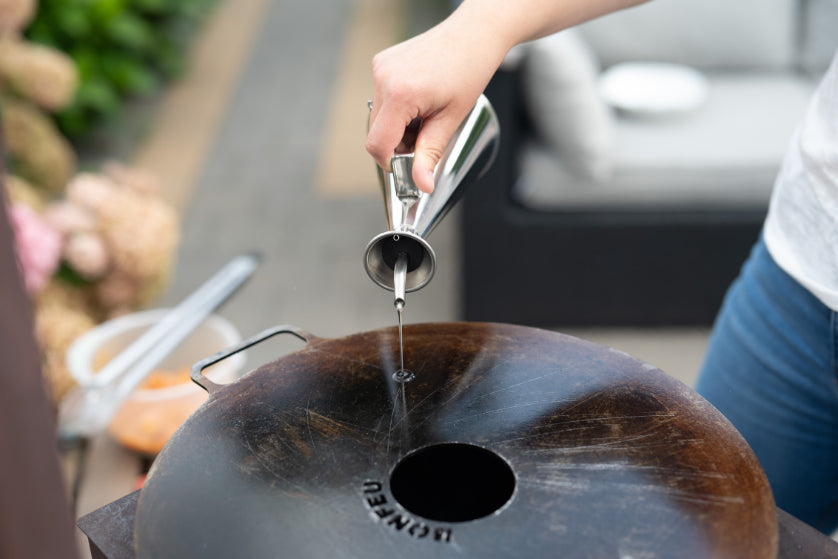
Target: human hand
434,78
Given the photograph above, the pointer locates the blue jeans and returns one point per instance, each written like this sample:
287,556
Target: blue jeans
770,369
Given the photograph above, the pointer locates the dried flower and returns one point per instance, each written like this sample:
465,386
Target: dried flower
39,152
140,233
67,217
59,293
44,75
18,190
38,246
117,290
86,254
91,191
56,327
119,235
140,230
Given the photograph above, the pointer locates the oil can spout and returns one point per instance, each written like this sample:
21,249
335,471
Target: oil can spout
399,279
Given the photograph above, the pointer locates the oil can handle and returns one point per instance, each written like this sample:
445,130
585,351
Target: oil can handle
197,371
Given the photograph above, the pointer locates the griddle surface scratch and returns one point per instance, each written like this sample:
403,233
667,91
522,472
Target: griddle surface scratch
266,466
362,362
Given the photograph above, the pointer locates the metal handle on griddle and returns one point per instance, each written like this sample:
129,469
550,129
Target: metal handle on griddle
197,370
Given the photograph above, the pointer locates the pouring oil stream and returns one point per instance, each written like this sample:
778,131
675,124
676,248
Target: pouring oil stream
402,375
412,215
399,279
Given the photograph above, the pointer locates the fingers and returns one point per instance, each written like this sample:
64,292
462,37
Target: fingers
430,144
387,127
408,143
388,133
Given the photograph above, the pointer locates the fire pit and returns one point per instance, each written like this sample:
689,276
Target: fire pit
506,442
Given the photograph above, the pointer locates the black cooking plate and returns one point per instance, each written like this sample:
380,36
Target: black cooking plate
509,442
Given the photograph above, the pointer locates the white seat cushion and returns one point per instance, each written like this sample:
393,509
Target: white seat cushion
725,154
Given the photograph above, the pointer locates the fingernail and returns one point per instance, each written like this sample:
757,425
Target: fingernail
429,174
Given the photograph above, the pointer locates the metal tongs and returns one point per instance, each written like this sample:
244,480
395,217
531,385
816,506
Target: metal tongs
88,409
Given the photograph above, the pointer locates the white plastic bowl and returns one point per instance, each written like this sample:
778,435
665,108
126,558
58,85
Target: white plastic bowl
150,416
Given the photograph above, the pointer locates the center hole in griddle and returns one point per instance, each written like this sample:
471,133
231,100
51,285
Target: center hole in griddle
452,482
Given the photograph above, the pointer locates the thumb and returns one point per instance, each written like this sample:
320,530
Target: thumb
430,144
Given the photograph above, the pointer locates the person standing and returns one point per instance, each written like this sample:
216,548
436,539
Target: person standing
772,361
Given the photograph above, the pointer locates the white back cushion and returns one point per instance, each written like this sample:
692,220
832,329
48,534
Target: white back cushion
559,78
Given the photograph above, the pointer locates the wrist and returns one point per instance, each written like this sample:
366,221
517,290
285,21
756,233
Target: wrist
475,27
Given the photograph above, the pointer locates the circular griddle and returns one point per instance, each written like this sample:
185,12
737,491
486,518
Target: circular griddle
508,442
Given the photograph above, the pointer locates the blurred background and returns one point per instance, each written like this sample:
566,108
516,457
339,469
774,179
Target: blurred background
151,141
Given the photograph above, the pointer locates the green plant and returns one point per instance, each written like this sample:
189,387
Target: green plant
123,49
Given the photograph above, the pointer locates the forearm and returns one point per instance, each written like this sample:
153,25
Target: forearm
506,23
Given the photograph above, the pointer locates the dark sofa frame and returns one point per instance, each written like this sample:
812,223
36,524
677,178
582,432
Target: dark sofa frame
606,267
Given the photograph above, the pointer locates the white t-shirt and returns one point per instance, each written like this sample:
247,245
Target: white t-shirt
801,230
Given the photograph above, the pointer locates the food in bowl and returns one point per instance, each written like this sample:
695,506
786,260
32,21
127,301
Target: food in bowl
153,412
